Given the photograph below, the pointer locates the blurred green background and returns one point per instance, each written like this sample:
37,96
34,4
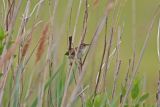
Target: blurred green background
145,9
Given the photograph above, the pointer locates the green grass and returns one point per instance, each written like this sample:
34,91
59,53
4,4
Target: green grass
55,80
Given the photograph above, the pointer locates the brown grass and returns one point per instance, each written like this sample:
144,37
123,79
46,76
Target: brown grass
9,52
42,41
26,45
95,3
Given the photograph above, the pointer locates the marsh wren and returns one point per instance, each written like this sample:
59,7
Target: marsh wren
72,51
82,49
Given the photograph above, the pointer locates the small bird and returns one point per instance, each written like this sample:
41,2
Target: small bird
72,51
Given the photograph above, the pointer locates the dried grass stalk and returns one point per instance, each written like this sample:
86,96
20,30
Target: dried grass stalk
26,46
6,56
42,41
95,2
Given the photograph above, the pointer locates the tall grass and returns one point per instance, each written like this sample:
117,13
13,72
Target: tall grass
36,72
